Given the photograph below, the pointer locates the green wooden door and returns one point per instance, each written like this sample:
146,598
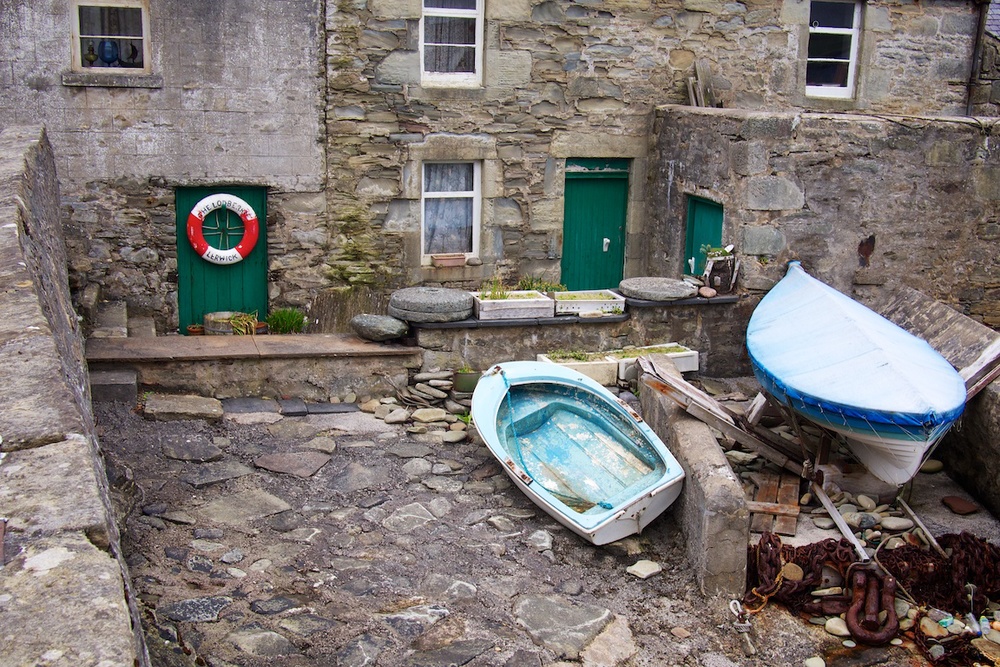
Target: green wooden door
593,253
205,287
704,227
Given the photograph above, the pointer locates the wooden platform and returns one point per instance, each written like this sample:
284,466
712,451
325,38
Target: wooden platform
775,506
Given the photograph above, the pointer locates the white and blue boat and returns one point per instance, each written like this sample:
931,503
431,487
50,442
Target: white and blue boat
848,369
578,452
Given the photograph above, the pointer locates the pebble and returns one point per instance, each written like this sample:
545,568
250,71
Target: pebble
866,503
814,661
823,522
849,643
792,572
837,627
680,633
824,592
896,524
644,569
930,628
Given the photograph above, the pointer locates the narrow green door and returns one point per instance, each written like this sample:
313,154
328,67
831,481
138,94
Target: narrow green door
704,227
207,287
593,253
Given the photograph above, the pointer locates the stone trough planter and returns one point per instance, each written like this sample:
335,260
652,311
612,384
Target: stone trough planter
684,358
589,301
519,304
596,366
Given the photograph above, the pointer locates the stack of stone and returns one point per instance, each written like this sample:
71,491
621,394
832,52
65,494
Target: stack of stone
429,405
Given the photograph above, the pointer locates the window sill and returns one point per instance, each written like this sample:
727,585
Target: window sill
108,80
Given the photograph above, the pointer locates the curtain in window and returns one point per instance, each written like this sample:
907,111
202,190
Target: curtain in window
448,220
449,41
105,33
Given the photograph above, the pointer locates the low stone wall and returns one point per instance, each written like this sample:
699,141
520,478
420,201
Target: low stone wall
712,508
715,328
64,587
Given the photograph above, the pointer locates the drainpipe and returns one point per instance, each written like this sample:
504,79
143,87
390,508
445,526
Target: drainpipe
977,55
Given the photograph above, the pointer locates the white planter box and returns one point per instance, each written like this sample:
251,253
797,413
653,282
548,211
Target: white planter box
521,304
604,371
686,360
589,301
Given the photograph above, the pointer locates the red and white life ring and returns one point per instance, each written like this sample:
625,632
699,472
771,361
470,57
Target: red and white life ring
195,234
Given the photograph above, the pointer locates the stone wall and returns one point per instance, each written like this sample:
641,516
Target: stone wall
858,198
969,451
234,96
64,587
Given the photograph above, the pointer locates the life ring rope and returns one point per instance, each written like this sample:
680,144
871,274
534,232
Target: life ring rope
196,232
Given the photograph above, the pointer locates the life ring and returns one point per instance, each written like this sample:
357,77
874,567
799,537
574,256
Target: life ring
196,236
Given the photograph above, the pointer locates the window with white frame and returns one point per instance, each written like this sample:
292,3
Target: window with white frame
451,201
111,35
832,60
451,43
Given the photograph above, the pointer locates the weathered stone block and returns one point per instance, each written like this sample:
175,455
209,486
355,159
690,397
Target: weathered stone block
773,193
762,241
399,67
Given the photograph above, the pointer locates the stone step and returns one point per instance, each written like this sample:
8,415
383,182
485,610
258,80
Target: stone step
112,320
141,327
114,385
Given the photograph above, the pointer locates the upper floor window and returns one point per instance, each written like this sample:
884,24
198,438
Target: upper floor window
110,35
832,61
451,201
451,43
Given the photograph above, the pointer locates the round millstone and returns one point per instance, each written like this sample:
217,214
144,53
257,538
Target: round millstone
378,327
431,300
657,289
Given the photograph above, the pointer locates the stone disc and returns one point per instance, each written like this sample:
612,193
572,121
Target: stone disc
421,316
431,300
657,289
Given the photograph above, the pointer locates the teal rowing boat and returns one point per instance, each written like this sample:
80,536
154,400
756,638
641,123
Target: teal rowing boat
578,452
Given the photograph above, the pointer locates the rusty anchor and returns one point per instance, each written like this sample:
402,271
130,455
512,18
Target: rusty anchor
866,603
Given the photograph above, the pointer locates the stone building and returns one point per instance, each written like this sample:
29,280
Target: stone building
546,138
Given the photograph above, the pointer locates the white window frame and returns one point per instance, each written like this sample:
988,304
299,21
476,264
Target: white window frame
453,79
838,92
77,55
476,194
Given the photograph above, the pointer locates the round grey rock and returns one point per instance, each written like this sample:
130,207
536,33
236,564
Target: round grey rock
424,316
657,289
431,300
378,328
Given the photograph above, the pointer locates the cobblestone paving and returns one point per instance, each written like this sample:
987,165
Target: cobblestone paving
338,539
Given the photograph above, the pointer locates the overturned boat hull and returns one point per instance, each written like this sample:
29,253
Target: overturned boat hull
575,450
844,367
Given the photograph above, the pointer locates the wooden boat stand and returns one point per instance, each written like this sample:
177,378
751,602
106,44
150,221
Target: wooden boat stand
758,439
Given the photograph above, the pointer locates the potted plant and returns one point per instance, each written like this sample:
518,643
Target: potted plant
602,301
286,321
465,379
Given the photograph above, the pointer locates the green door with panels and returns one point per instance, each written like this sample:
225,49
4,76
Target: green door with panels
205,286
593,252
704,227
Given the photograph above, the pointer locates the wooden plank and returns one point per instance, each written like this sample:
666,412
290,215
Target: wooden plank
767,492
776,509
703,72
788,494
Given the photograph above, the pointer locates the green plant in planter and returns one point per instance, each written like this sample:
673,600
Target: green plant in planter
243,324
494,289
539,285
286,321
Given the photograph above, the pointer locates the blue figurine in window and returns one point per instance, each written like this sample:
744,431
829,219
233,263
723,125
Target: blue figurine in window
107,51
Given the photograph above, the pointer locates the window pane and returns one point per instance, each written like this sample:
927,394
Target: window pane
451,4
111,21
111,52
831,14
448,177
449,59
447,225
831,47
446,30
826,74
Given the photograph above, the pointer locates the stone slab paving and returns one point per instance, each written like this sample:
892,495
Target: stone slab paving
398,552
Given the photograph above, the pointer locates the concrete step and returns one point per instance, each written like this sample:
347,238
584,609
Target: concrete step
112,320
141,327
114,386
